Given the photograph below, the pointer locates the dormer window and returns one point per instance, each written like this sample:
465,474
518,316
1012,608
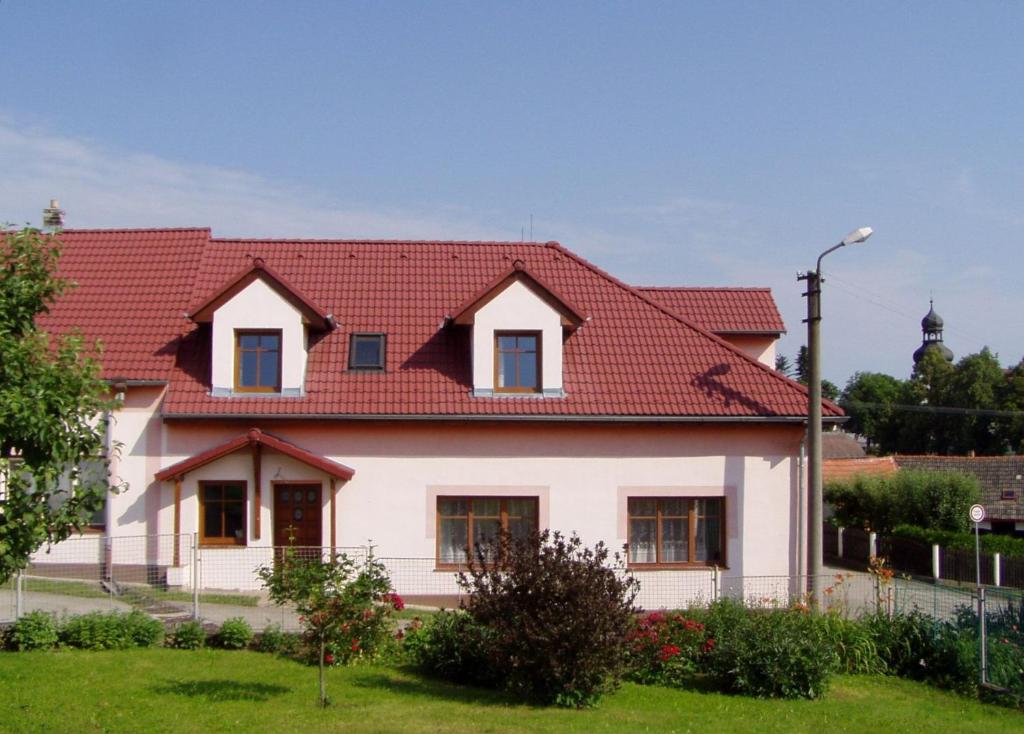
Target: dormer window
366,352
258,361
517,361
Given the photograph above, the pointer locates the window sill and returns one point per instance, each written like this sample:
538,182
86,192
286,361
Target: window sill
547,393
227,392
219,544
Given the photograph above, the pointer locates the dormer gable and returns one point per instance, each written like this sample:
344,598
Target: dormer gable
259,334
518,327
313,316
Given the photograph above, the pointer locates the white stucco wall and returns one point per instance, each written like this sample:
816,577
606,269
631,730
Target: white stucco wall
258,306
761,348
582,477
517,308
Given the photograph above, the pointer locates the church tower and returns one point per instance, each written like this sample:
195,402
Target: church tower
931,330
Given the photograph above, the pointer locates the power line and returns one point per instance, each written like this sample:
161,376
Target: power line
937,409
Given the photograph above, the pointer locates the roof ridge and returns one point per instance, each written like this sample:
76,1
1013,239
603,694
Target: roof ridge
758,288
81,230
946,457
396,242
793,384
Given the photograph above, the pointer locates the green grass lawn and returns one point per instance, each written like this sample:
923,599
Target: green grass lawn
179,691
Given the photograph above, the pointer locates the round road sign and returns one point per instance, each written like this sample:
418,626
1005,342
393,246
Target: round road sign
977,513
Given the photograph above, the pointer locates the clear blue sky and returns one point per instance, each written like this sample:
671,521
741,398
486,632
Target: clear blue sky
670,143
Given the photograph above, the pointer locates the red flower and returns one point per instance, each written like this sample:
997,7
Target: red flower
709,644
668,652
394,600
655,618
328,659
355,645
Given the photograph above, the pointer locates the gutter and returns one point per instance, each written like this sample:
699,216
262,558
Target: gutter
116,382
757,420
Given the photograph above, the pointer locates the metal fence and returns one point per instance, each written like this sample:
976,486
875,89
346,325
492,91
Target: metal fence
172,578
854,548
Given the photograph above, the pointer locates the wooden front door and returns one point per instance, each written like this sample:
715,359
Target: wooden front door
298,512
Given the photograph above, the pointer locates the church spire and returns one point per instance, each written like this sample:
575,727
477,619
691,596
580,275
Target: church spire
931,335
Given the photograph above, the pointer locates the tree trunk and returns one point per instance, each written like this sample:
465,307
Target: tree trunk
323,684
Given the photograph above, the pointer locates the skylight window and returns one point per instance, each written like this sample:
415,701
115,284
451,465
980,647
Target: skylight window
366,352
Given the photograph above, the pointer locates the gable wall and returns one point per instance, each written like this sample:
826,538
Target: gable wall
258,306
517,308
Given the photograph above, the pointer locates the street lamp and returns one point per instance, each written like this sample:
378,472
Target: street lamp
815,511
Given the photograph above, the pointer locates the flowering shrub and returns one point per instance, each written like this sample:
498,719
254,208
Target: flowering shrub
666,648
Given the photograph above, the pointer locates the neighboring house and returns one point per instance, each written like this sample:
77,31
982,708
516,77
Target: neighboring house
745,317
424,395
1001,479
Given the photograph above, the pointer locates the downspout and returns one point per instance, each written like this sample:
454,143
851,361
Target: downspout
801,521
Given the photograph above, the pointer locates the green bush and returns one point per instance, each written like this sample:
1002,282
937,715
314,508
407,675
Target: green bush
111,630
235,634
918,647
452,646
933,500
188,636
1005,630
557,616
34,631
666,649
852,642
1007,545
770,653
276,641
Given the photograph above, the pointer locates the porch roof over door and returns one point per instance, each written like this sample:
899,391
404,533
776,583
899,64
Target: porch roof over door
255,437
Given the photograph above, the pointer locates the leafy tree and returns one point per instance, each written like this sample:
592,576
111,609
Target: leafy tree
829,390
929,499
1011,429
925,432
344,607
976,383
53,408
783,365
868,400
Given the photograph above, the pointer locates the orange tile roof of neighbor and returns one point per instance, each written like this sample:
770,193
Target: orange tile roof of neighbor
723,310
632,358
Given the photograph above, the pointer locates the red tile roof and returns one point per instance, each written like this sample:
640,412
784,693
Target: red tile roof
313,314
570,315
836,470
132,286
632,358
723,310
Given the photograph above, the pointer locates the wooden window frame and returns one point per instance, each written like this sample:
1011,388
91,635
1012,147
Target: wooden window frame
204,540
691,536
539,362
379,367
239,333
502,512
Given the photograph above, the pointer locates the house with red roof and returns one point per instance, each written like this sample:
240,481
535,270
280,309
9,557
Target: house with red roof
423,396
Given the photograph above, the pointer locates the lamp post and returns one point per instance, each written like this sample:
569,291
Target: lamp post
815,510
